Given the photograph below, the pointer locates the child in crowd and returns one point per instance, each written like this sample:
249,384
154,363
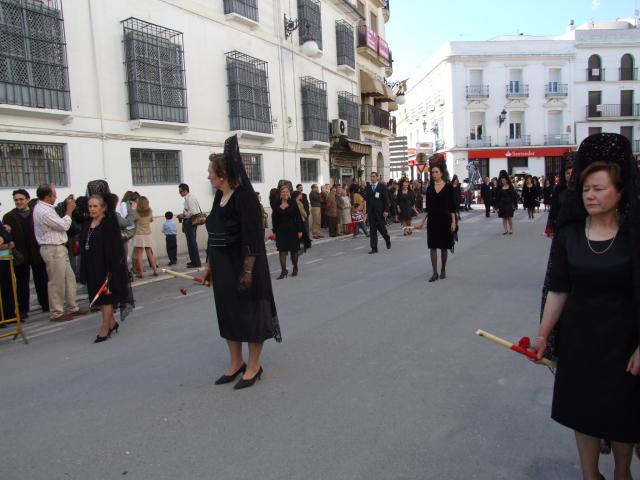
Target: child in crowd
171,234
358,220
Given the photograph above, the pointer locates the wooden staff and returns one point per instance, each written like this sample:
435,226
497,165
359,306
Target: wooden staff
182,275
522,347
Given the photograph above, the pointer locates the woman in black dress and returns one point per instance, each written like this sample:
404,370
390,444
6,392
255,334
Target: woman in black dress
406,207
547,194
441,220
457,194
505,200
288,229
529,195
103,259
560,191
594,291
238,267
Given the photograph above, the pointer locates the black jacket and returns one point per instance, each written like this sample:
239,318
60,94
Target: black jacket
485,193
378,201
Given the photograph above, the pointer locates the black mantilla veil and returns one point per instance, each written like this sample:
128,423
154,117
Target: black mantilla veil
235,166
439,160
609,148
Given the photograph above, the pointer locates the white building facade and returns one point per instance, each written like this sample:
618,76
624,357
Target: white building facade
518,103
140,93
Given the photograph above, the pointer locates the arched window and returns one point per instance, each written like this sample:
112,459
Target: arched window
627,71
595,73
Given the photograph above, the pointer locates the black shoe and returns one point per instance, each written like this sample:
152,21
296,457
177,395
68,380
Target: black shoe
114,328
434,277
294,273
373,250
443,274
100,339
388,242
283,275
230,378
242,383
190,265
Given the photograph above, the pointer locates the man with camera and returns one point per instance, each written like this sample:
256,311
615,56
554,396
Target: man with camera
51,234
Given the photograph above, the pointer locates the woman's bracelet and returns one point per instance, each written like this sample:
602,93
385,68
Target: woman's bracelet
248,271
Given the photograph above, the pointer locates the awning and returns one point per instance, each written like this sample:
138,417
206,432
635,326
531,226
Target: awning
357,147
369,85
348,152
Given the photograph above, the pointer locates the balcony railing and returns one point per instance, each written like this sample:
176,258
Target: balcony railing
479,142
477,91
614,110
595,74
517,91
636,146
439,145
556,139
374,116
627,74
246,8
523,140
555,89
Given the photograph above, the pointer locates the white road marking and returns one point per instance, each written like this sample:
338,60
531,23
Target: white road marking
337,254
29,337
197,292
360,248
313,261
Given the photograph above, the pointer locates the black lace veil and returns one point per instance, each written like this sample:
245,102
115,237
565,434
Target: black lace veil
235,165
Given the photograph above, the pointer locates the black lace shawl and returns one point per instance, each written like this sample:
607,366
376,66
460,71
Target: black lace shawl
612,148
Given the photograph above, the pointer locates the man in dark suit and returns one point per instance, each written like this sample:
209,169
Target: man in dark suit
485,193
377,210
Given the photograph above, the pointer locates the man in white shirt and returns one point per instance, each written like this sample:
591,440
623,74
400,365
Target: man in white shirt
51,234
191,207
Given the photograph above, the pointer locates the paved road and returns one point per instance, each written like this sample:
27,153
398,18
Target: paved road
380,376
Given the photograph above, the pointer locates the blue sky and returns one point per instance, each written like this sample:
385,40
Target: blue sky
418,27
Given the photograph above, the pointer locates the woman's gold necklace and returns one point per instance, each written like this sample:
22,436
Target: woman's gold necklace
589,241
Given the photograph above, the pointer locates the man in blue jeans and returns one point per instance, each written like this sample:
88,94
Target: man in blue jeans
191,207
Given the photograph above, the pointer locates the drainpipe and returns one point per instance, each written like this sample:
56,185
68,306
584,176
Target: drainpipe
98,87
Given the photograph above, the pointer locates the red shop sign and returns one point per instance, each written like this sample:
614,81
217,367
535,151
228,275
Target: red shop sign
372,40
518,152
383,49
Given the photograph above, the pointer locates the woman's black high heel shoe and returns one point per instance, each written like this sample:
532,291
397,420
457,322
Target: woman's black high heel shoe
283,275
230,378
443,274
100,339
249,382
294,273
114,328
434,277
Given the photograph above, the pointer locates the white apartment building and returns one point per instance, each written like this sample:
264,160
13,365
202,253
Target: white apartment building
140,93
517,103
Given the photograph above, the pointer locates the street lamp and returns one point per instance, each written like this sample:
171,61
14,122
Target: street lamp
310,46
502,117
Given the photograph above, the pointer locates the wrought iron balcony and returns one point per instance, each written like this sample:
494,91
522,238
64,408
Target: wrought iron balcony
523,140
595,74
374,116
386,11
556,139
477,91
627,74
245,8
485,141
517,91
555,89
636,146
613,110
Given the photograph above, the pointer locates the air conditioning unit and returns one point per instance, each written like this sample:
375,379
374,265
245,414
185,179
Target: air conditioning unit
339,127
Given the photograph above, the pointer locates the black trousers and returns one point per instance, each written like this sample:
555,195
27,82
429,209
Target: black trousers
172,248
192,246
333,226
377,224
40,280
487,209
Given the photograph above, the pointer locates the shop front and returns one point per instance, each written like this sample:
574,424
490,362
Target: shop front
517,161
346,160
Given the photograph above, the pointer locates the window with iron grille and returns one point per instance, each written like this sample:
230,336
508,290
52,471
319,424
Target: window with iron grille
33,55
309,170
155,167
349,110
246,8
248,84
253,166
310,21
314,109
31,164
345,44
155,72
